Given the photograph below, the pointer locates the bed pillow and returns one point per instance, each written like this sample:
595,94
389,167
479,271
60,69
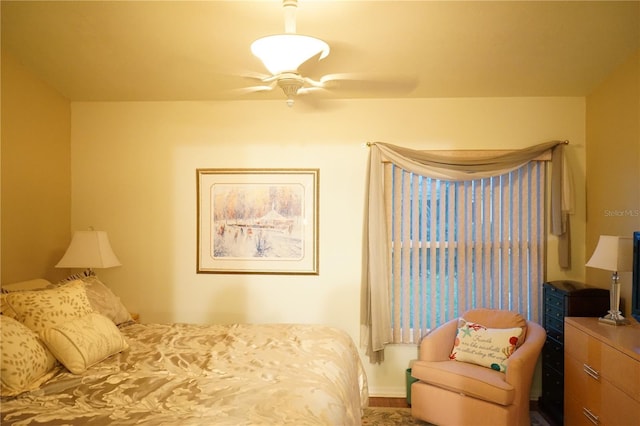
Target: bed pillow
82,342
102,299
42,309
36,284
5,309
487,347
25,361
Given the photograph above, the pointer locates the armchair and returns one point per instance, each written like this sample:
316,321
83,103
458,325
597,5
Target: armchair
453,392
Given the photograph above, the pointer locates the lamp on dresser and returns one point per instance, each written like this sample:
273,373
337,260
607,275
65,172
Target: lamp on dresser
613,253
89,249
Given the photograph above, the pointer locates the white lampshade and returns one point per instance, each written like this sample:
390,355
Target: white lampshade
286,52
612,254
89,249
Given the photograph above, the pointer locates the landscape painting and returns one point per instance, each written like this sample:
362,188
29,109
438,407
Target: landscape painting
257,221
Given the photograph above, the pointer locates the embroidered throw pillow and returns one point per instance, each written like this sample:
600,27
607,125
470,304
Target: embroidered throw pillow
83,342
42,309
25,361
487,347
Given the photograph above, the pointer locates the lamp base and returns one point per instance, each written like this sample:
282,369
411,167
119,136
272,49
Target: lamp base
613,320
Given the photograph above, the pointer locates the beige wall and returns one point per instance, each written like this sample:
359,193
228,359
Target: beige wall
134,176
613,165
36,175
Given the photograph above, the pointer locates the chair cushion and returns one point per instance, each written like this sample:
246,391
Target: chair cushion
469,379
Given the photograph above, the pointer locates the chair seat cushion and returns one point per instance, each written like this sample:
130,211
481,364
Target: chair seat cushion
469,379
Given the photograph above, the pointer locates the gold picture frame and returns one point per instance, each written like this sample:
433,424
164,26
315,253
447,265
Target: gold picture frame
258,221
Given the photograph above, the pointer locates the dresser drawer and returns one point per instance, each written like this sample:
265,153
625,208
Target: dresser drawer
576,343
554,321
554,299
622,370
604,360
591,401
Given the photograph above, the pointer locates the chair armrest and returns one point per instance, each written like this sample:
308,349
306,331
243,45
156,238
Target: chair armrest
437,345
523,361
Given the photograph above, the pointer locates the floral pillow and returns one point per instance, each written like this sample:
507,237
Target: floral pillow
487,347
25,361
42,309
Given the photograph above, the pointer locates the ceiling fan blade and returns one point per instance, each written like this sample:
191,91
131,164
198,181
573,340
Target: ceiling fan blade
266,78
306,68
391,83
305,90
251,89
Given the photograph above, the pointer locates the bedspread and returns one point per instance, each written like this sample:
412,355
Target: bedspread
186,374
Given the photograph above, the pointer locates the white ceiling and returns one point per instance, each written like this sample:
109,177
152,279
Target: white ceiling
198,50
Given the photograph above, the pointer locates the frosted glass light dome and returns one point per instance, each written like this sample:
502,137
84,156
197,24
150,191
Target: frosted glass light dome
286,52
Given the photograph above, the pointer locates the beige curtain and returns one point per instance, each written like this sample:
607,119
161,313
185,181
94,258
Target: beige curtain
375,309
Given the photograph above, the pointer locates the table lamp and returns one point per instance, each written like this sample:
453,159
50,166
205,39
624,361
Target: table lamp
613,254
89,249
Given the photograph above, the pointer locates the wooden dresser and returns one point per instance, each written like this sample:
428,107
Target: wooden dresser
601,372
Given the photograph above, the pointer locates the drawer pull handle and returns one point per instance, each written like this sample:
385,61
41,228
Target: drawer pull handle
591,372
590,416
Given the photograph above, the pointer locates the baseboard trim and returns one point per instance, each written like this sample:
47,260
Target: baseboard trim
388,392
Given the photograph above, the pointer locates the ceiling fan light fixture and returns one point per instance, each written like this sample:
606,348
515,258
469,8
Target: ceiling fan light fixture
286,52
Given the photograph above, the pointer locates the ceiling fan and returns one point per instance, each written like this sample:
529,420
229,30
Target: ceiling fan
284,54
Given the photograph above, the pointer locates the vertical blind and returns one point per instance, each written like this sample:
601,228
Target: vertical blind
460,245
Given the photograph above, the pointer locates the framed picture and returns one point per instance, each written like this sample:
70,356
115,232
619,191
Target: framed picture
257,221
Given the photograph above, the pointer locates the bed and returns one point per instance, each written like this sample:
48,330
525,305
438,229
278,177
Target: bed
187,374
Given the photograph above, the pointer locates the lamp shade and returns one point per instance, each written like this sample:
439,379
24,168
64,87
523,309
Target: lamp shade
286,52
612,254
89,249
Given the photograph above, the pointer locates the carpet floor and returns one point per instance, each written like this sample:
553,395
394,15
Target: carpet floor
385,416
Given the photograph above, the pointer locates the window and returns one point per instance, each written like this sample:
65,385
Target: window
460,245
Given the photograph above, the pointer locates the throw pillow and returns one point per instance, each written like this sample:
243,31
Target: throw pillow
42,309
82,342
487,347
36,284
26,362
102,299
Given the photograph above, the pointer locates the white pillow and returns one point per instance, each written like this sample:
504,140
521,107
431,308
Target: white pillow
488,347
25,362
83,342
35,284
